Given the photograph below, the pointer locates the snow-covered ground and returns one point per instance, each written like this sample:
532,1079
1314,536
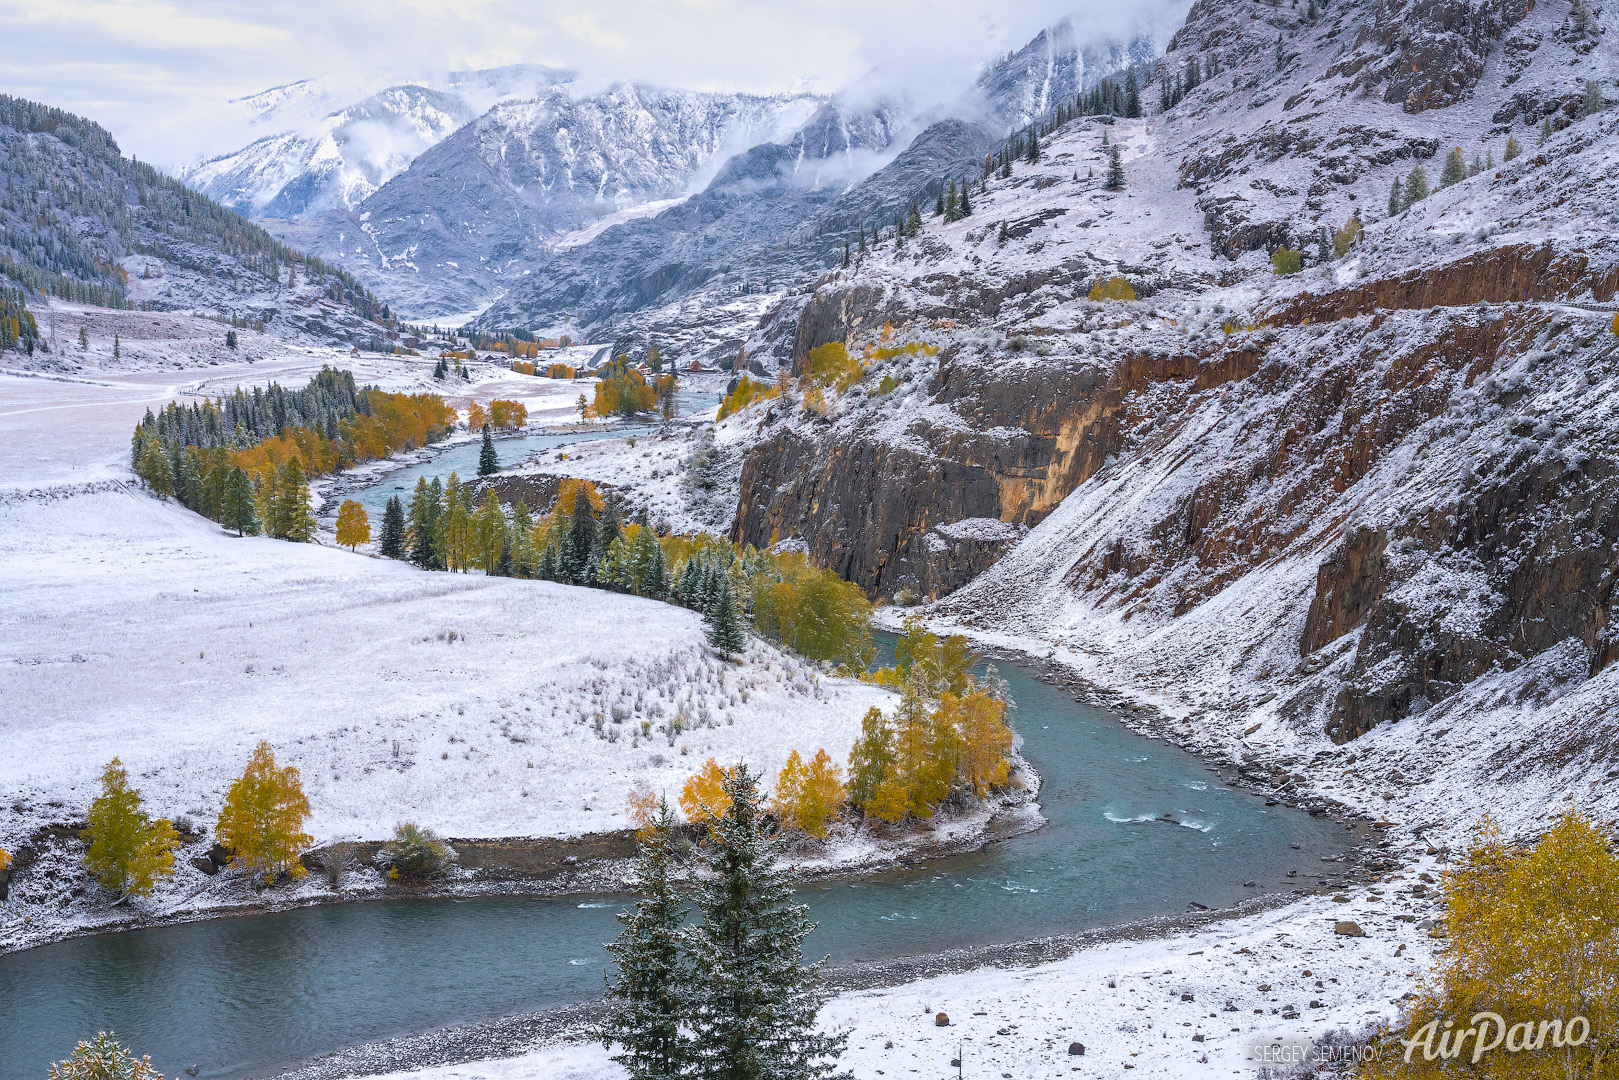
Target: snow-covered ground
1186,1004
479,707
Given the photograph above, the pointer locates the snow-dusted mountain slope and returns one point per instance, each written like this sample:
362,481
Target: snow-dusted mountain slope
1370,503
776,218
482,206
318,152
81,222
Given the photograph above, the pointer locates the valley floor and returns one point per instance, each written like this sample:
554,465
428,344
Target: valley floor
478,707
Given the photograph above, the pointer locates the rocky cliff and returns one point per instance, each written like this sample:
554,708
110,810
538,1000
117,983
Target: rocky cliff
1375,492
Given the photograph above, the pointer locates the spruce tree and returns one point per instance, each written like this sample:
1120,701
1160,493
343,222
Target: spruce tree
1396,198
657,577
488,463
1132,95
391,544
725,631
424,514
939,208
236,508
580,542
966,206
752,1003
293,519
645,1003
1034,145
1115,169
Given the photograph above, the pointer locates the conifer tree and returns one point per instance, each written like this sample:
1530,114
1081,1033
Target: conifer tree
752,1003
1416,185
126,850
117,348
489,534
102,1058
293,519
580,542
488,463
84,339
965,207
391,545
656,584
1115,170
1132,95
1545,131
871,759
1455,168
153,467
1591,101
645,1003
236,508
1034,145
939,207
424,514
263,817
725,632
523,554
1396,198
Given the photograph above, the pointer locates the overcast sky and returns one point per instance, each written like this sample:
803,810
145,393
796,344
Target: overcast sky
159,73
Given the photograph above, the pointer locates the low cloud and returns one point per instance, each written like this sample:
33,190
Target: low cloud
161,76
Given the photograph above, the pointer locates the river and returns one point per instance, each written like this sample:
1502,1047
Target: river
1137,828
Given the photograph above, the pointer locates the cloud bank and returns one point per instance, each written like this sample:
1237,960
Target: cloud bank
161,74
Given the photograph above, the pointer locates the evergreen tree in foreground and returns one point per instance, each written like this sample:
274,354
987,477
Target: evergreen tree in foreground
487,461
725,632
752,1001
644,1002
102,1058
391,544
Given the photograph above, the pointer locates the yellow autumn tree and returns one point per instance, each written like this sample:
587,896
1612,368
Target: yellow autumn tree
126,850
507,414
476,416
985,739
643,809
809,797
353,527
1529,941
263,818
703,799
1112,288
488,533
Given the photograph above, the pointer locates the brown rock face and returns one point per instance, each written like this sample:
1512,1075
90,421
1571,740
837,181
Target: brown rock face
1503,276
1433,51
1346,588
882,511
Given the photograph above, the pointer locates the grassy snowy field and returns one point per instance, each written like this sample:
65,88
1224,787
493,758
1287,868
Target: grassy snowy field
478,707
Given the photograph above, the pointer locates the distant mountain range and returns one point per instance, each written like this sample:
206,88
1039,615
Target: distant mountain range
319,153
